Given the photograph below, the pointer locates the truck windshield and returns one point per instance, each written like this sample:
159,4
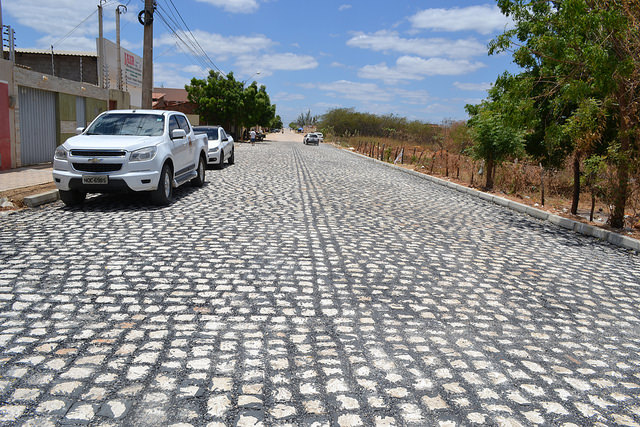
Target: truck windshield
127,124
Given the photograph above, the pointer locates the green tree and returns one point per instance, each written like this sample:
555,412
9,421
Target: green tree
218,98
257,106
306,119
495,139
276,123
583,51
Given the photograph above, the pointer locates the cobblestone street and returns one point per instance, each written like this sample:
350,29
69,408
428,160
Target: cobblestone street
306,286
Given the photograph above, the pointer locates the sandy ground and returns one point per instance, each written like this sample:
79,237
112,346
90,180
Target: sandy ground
287,136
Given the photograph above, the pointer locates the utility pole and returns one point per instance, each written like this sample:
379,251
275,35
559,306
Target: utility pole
119,71
100,47
147,55
1,22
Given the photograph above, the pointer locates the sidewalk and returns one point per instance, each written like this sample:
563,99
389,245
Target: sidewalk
25,177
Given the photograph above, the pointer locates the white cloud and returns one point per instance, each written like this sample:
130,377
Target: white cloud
414,97
234,6
438,108
388,41
168,74
366,92
414,68
388,75
369,93
473,86
219,47
55,18
268,63
344,7
196,70
484,19
473,101
284,97
72,43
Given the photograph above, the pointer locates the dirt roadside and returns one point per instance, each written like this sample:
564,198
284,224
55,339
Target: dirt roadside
16,196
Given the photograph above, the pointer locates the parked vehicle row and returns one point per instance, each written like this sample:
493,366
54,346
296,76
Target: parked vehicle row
133,150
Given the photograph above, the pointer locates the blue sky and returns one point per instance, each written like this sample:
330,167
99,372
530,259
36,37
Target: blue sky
423,60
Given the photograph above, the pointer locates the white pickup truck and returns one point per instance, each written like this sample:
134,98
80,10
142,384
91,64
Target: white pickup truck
131,150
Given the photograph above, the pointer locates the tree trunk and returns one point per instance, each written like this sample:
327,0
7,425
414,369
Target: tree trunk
622,185
446,159
593,206
473,170
541,185
621,190
576,183
490,168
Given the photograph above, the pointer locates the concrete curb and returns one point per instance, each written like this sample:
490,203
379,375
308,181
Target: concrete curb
41,199
569,224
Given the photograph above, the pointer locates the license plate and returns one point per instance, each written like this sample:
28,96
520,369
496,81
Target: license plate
95,179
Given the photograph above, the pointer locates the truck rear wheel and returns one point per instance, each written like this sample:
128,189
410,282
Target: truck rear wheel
198,181
163,195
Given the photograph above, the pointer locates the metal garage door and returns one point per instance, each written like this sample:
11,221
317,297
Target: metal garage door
37,125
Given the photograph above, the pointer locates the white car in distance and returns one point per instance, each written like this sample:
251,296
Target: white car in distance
221,145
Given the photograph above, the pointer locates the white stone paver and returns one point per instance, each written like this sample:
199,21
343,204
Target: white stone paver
306,286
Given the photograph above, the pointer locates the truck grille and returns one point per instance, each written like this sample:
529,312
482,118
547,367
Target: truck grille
97,167
98,153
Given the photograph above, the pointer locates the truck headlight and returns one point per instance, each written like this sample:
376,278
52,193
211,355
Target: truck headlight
60,153
143,154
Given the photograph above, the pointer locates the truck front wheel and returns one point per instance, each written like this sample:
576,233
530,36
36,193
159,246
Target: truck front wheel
164,193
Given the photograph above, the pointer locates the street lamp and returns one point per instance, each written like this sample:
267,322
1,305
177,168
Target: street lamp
257,73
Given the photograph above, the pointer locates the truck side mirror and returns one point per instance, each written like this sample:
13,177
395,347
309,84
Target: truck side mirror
178,134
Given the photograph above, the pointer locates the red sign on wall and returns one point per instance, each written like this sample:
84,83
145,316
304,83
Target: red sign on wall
5,134
129,59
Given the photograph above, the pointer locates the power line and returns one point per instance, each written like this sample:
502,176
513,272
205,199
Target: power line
75,28
182,36
187,38
192,36
194,54
66,36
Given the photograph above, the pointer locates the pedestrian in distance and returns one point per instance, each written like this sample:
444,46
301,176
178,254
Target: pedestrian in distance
252,135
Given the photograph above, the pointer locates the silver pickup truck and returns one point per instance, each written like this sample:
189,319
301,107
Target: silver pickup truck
131,150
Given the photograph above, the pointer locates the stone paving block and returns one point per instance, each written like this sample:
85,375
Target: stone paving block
310,287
